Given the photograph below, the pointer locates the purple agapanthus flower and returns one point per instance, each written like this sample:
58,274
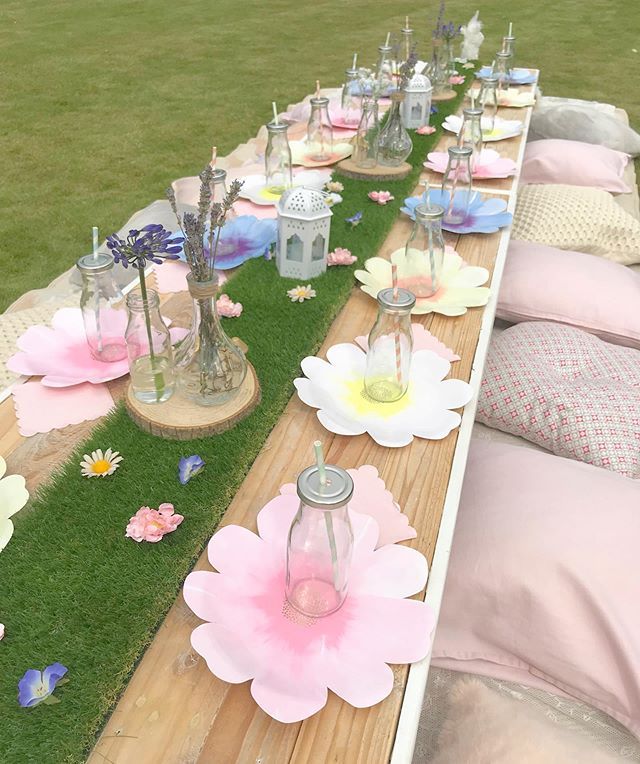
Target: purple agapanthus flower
188,467
354,219
152,243
37,686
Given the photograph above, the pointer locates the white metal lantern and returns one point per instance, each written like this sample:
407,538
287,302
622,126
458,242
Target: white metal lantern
304,222
416,107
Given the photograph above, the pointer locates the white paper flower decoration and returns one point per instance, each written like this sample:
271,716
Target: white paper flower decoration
336,388
461,284
13,496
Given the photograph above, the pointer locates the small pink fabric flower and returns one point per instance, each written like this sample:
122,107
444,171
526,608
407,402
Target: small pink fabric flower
380,197
228,308
456,79
426,130
341,256
151,524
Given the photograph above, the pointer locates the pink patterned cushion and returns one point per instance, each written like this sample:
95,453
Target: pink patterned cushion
567,391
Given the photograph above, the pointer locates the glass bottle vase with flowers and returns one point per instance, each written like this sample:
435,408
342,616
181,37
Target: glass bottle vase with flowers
211,368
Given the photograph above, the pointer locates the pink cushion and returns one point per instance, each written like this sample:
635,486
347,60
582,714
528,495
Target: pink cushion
575,164
542,586
589,292
567,391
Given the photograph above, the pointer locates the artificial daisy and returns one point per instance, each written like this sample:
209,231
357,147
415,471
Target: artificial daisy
301,293
13,496
100,464
334,186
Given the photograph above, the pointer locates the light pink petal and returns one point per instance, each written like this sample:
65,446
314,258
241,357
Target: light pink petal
356,678
206,593
239,553
69,321
225,653
275,518
289,701
391,571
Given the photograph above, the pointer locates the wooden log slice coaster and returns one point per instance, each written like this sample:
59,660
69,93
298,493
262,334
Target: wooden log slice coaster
379,172
182,419
446,95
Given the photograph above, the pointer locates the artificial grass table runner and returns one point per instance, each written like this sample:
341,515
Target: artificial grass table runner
74,589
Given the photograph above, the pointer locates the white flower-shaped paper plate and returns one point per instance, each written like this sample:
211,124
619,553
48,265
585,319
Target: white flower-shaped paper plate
300,154
503,128
460,284
336,388
254,187
511,97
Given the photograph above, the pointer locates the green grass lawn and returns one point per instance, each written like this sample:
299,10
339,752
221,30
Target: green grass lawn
105,103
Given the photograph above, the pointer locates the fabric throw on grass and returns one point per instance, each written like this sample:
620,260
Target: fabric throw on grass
74,589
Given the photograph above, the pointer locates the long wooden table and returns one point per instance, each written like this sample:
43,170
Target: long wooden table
174,709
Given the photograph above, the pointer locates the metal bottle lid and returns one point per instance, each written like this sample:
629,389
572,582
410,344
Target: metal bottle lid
459,151
335,493
218,176
92,264
385,48
509,39
351,72
281,127
473,112
403,303
432,212
491,79
503,54
319,101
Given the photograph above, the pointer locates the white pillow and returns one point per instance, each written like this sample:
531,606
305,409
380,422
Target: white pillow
577,218
586,124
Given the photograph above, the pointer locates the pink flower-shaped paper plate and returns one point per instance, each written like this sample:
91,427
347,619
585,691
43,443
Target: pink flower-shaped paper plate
60,354
422,340
251,633
488,165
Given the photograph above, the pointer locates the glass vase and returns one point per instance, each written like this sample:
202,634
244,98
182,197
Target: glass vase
394,143
320,542
151,365
211,368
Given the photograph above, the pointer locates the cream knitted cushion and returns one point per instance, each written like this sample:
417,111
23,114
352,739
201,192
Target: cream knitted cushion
576,218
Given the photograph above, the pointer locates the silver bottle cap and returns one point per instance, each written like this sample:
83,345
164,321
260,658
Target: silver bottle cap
319,101
219,176
473,112
503,54
281,127
93,264
432,212
509,39
491,79
403,303
385,48
460,151
336,492
351,72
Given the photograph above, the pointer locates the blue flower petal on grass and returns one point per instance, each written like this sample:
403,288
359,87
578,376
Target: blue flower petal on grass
354,219
37,686
188,467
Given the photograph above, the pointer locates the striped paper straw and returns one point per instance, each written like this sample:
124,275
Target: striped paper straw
394,281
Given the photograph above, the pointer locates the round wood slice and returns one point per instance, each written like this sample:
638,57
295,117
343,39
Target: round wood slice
182,419
447,95
379,172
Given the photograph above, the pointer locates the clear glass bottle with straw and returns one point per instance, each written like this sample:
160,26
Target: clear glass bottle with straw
384,70
438,70
471,132
424,250
503,68
390,346
102,306
365,149
488,99
320,541
509,44
351,101
319,129
277,159
406,41
456,183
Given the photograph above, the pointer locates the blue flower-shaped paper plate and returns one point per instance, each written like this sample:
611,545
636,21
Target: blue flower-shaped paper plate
242,238
518,76
483,216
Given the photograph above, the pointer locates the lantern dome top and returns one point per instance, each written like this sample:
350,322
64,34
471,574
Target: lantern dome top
303,202
419,83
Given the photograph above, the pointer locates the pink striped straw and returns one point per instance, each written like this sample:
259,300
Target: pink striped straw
394,282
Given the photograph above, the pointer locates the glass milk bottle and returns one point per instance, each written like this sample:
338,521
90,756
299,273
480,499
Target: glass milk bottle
456,183
277,160
425,249
103,308
390,346
503,68
320,542
319,130
471,133
365,149
351,98
488,99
